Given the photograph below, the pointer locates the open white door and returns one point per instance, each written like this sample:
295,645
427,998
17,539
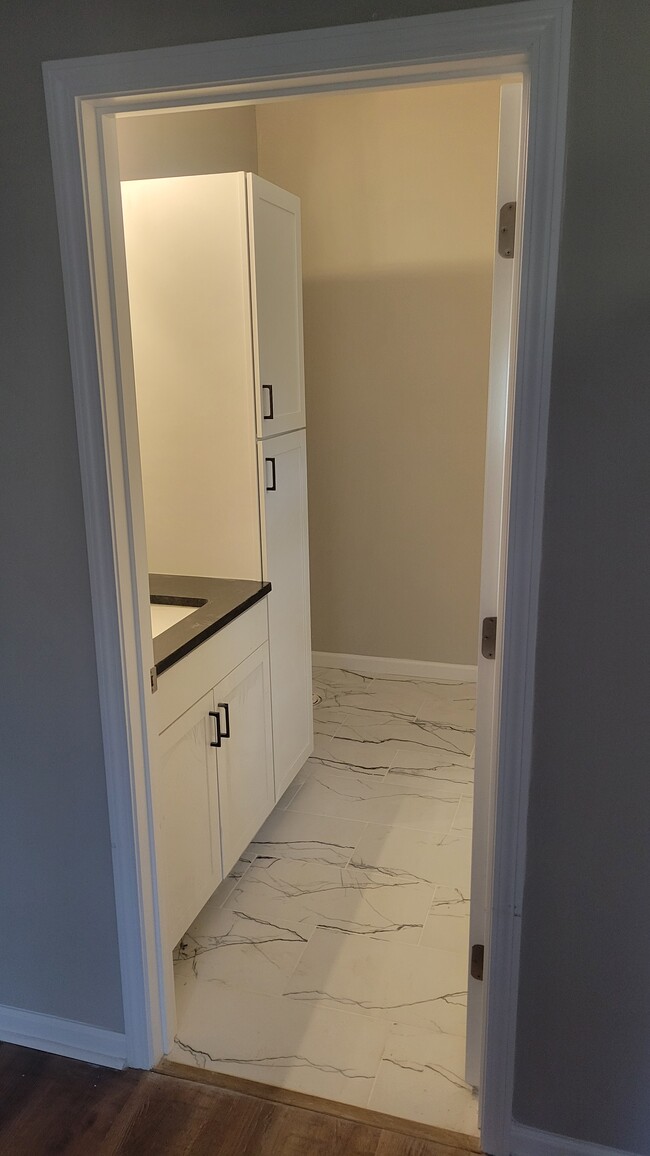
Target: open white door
495,521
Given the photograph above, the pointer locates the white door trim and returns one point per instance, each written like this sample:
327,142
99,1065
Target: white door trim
82,95
62,1037
511,176
533,1142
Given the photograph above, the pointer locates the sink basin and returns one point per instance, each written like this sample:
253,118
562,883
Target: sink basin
166,614
188,609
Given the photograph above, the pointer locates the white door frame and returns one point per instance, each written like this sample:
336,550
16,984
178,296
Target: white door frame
492,597
82,97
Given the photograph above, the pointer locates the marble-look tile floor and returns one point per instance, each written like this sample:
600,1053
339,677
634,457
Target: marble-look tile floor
333,960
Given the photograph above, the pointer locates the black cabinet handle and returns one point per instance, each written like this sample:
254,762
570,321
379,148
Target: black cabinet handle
272,463
215,714
269,416
224,706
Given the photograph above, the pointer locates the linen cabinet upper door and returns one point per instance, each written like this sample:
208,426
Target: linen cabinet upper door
276,286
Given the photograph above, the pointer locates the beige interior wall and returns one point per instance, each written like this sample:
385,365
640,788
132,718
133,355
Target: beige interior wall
398,200
179,144
397,192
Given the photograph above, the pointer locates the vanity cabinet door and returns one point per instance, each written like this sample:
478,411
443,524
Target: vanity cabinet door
276,289
245,756
285,557
187,816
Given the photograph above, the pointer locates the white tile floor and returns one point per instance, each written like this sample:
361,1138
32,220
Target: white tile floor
333,960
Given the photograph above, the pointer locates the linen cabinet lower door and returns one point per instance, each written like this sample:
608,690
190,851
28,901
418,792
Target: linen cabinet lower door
245,756
285,557
188,841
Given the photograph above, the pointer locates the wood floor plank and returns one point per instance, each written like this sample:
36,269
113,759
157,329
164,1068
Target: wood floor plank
295,1132
50,1105
368,1116
159,1117
235,1126
393,1144
20,1069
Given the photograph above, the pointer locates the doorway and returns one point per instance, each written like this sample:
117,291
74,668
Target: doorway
112,421
362,873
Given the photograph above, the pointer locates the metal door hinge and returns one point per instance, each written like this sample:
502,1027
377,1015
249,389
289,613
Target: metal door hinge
476,962
507,219
154,680
489,638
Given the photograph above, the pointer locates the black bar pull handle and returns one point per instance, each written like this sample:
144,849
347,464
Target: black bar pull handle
269,416
224,706
215,714
271,461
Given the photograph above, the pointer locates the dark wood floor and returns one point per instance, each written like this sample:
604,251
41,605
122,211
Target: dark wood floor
53,1105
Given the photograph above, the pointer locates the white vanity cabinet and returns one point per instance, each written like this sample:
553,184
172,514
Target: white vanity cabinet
213,781
215,295
276,300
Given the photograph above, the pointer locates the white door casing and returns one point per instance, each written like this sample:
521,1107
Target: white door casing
82,97
496,495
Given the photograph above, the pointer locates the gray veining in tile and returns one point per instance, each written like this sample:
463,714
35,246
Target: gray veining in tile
291,835
400,982
301,895
333,960
399,801
421,1077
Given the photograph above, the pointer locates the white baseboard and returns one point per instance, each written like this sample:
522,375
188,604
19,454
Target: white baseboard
402,667
526,1141
63,1037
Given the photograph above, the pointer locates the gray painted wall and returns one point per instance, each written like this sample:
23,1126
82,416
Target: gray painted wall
583,1058
583,1062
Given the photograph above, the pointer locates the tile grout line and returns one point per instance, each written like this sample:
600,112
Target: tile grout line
356,846
451,826
429,912
379,1063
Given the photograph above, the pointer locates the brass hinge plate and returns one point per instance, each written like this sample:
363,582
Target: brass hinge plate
507,220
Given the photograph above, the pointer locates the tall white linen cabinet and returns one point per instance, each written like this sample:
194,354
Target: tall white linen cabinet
215,296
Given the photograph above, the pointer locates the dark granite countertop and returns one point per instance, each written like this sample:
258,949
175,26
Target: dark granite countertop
218,601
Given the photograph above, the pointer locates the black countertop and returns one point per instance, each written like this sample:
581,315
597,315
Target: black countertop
218,601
